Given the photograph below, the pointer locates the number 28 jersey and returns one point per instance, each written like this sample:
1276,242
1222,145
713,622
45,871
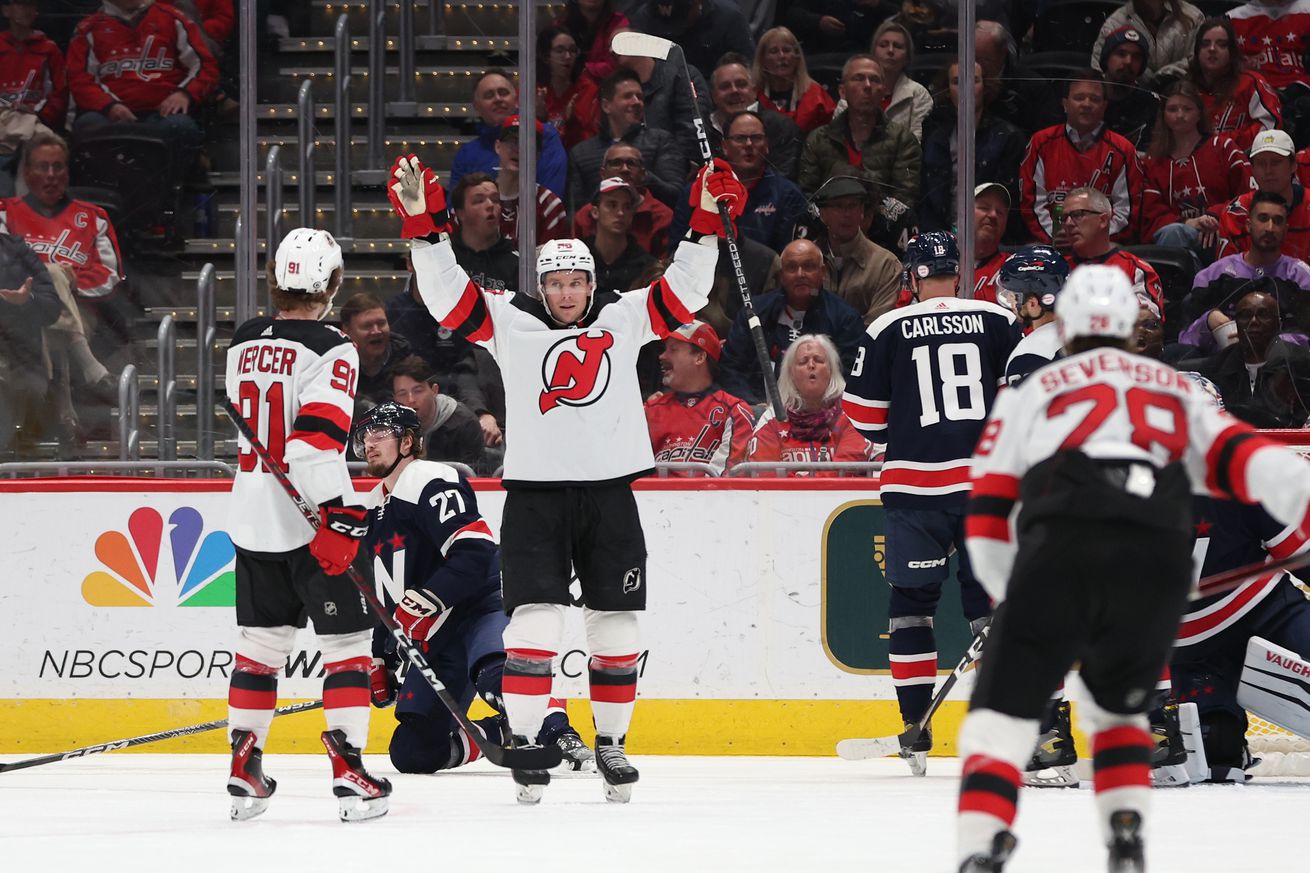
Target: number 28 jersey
924,379
294,382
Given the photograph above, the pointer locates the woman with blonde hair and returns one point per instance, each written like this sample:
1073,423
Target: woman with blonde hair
811,385
906,101
784,83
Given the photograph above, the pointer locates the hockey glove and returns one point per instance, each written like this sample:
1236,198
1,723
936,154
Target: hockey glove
716,184
419,615
418,199
337,540
381,683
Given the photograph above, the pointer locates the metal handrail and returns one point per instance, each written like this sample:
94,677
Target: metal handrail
63,468
377,39
273,182
341,187
129,415
305,143
166,404
206,335
436,17
405,52
778,468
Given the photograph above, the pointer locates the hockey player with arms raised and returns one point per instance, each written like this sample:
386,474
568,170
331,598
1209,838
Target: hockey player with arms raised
438,558
1080,525
293,380
573,404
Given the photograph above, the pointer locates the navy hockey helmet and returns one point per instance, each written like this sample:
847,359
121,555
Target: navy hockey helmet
388,417
932,254
1034,271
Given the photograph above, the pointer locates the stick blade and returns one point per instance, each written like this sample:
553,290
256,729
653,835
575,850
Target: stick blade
873,747
542,758
641,45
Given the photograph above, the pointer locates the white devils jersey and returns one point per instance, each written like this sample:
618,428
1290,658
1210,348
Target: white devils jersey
573,407
294,382
1110,404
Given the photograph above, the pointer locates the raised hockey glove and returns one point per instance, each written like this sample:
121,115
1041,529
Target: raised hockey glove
337,540
715,184
419,615
418,199
381,683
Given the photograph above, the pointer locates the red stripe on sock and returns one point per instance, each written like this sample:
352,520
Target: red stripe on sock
342,698
242,698
1122,776
613,662
246,665
988,803
538,686
614,693
1125,735
992,767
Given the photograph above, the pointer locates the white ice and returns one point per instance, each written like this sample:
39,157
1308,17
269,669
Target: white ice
143,813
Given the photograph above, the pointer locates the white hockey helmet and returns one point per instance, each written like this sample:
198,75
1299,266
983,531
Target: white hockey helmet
306,260
1096,301
565,254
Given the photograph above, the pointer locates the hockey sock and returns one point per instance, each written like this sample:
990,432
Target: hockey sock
913,655
251,698
613,692
346,698
526,689
1121,767
989,801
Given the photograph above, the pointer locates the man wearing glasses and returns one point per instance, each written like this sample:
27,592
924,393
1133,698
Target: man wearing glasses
1085,227
650,221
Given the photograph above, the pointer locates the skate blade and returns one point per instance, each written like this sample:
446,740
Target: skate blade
1052,777
918,762
1170,776
355,808
618,793
244,808
529,795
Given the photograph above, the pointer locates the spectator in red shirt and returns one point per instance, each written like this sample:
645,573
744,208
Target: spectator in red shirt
140,61
551,220
567,99
991,213
1273,167
783,81
1086,225
621,263
695,420
650,223
816,430
33,86
216,18
594,22
1240,102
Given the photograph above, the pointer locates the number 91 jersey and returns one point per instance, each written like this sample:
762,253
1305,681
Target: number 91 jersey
294,382
923,382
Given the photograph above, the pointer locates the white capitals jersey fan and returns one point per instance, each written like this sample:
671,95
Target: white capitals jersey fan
294,382
572,401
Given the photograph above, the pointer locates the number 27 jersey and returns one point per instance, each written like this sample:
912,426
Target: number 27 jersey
923,382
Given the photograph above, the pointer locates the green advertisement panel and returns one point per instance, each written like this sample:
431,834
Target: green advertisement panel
855,594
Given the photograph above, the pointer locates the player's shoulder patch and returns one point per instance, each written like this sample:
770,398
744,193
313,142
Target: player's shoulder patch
316,336
416,477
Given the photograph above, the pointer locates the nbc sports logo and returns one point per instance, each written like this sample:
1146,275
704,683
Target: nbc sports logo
134,565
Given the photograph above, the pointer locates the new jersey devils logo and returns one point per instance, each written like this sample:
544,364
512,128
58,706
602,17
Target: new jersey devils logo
576,370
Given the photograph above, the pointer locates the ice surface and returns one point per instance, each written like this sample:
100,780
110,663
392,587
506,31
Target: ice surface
142,813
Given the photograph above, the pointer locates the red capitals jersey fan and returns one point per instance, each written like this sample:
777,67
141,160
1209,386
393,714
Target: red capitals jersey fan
77,235
707,427
1215,172
1054,166
779,441
1144,278
1250,108
987,276
32,76
138,60
1274,38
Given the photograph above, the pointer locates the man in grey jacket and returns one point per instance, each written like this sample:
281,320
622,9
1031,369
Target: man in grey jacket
28,304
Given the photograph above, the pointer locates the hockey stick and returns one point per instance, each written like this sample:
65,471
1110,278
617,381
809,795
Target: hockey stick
115,745
881,747
1229,580
542,758
645,45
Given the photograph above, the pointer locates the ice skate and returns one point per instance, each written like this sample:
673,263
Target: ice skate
994,861
1052,763
1169,759
578,757
617,773
360,795
249,787
1126,852
529,785
916,753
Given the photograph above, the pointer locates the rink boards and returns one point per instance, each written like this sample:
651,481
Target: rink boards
765,631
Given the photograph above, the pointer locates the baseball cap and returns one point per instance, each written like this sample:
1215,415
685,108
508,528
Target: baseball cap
838,187
510,127
982,189
1125,34
700,335
1276,141
614,183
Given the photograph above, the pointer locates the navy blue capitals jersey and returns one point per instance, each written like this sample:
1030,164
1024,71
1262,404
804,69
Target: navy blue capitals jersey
1231,535
427,534
923,383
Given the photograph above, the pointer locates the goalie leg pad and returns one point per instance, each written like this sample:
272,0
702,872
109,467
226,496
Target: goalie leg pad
1275,685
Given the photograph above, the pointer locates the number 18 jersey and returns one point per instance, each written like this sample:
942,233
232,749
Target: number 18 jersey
923,382
294,382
